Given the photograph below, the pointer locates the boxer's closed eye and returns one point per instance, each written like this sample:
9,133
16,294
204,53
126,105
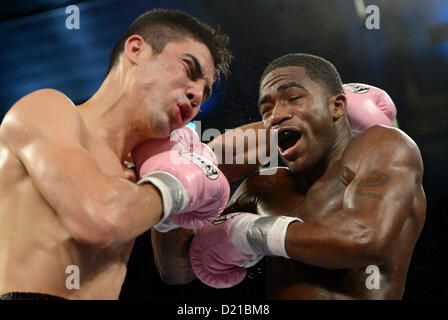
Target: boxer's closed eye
190,69
295,98
265,108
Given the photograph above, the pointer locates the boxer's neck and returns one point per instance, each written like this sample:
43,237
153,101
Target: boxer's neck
107,115
343,137
307,178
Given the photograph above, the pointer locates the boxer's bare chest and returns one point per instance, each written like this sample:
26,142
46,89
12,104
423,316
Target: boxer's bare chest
288,279
286,197
45,234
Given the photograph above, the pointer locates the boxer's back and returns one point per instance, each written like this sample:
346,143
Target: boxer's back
36,248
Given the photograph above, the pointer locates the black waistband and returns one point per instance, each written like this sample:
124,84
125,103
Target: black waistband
28,296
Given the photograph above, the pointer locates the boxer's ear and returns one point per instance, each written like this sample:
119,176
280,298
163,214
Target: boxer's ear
338,106
134,47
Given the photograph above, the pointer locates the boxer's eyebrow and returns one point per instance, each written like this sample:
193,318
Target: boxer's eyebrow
290,85
285,86
263,99
197,70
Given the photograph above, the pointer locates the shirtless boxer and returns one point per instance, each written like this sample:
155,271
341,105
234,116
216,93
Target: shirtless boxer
66,199
342,204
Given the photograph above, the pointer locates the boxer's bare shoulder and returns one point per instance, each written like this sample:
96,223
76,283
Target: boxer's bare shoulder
387,143
40,114
387,157
49,138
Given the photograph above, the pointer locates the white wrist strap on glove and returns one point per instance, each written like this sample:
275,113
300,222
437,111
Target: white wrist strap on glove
253,234
174,197
165,225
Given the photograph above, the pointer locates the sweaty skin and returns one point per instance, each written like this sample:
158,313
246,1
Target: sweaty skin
66,199
361,199
330,250
36,245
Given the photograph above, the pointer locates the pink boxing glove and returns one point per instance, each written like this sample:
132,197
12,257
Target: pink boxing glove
368,106
194,191
220,252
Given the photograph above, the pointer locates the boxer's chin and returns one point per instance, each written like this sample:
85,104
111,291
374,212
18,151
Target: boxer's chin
299,161
161,128
298,165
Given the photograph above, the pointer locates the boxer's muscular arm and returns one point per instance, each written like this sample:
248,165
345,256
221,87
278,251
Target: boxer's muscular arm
46,133
171,255
385,181
226,144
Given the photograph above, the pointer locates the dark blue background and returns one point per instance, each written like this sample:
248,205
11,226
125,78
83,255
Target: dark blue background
407,56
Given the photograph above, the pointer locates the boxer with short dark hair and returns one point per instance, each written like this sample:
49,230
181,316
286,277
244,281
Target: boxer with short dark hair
70,211
158,27
318,69
344,206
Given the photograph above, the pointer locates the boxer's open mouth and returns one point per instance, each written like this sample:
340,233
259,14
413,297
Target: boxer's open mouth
287,139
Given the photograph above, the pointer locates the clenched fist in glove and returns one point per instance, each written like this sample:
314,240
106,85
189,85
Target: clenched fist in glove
194,191
220,252
368,106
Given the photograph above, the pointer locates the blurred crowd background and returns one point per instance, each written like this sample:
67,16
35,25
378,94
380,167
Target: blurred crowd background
407,56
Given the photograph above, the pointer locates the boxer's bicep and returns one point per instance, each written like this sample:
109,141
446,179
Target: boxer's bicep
381,196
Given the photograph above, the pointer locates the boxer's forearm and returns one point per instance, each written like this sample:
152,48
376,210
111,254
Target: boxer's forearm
120,214
238,157
171,255
351,245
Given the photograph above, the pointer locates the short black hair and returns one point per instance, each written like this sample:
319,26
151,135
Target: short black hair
318,69
160,26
